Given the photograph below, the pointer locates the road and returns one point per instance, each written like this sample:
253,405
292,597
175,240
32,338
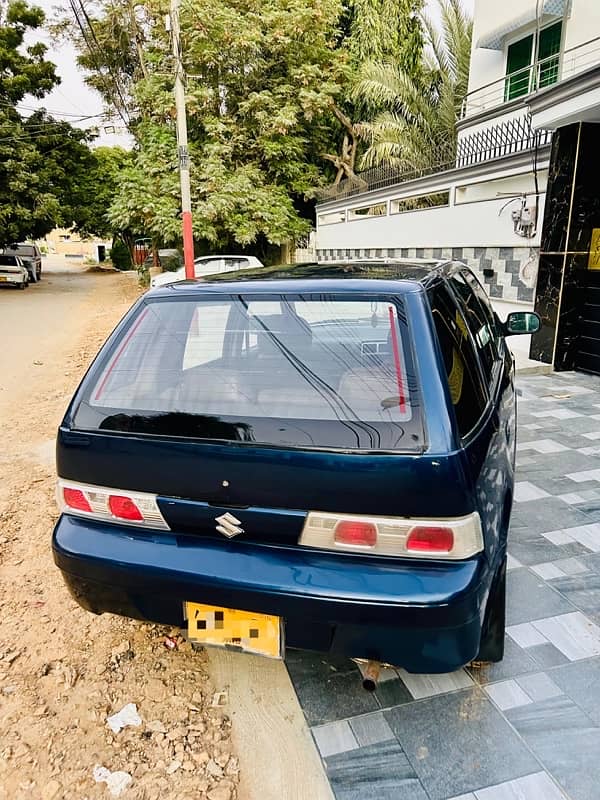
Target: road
62,670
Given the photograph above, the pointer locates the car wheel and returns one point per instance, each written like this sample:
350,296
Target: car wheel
23,285
491,646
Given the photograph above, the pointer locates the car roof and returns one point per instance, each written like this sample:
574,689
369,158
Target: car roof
384,275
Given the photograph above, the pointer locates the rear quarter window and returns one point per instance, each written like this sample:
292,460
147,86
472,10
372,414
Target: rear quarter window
322,371
460,359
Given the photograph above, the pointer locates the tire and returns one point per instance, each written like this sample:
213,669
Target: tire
39,275
491,645
22,285
33,278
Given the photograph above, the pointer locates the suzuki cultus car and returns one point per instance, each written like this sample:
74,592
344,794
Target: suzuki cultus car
317,457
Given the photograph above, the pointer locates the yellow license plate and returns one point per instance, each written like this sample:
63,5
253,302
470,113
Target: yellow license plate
2,278
235,630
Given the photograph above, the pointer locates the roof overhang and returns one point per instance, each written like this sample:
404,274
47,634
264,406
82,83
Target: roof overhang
494,39
576,99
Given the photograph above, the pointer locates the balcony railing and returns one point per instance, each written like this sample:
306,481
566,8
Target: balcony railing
543,73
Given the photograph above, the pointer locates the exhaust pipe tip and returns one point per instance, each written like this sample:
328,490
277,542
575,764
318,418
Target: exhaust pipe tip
371,676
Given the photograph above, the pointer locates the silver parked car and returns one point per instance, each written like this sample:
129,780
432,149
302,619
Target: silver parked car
13,272
31,257
208,265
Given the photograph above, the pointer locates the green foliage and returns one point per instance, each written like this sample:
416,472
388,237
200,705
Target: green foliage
48,175
415,128
120,255
264,76
94,189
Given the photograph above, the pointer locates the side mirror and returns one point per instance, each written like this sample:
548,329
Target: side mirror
521,322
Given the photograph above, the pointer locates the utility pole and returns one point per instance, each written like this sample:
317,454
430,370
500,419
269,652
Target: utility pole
182,144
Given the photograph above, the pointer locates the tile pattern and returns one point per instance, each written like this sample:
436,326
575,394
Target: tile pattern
527,728
498,268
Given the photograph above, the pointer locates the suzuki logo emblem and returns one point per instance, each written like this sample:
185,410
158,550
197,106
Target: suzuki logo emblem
228,525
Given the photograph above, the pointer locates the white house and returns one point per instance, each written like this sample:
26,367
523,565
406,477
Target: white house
535,67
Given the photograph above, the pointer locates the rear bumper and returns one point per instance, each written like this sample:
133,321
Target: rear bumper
14,277
425,617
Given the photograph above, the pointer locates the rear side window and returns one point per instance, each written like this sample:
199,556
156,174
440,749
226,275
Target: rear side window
479,318
460,360
301,370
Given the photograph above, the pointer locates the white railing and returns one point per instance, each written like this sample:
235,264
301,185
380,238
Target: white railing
543,73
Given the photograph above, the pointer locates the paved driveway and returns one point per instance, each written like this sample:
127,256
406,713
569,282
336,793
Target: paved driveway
525,729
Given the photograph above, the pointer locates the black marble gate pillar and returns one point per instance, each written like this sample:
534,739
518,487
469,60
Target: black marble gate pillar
572,210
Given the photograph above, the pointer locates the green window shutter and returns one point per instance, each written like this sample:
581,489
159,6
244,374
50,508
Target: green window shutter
549,54
518,68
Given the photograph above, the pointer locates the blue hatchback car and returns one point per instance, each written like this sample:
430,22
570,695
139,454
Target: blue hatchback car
318,457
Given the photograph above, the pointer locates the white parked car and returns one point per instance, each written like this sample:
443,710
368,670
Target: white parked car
208,265
13,272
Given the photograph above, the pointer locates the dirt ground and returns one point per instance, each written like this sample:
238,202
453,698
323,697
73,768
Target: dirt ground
63,671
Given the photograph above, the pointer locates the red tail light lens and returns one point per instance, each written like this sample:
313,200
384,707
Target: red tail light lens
430,540
75,498
124,508
353,532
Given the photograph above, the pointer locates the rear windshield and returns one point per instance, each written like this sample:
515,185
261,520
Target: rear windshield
300,371
23,250
8,261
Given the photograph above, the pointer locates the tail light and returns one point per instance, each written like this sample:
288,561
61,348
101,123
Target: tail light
353,532
110,505
453,539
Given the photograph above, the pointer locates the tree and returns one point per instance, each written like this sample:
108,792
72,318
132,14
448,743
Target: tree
375,31
417,128
41,159
263,75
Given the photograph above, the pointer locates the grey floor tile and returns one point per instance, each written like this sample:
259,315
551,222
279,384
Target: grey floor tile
459,742
371,729
335,737
583,591
581,682
565,740
539,686
516,661
549,515
507,694
538,786
303,662
546,656
421,686
528,597
332,698
393,693
377,772
530,547
573,634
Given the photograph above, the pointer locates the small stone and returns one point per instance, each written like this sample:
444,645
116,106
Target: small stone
155,690
220,793
214,769
173,767
50,790
177,733
222,759
189,766
100,668
156,726
9,689
233,766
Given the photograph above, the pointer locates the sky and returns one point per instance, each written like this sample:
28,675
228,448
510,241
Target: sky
73,97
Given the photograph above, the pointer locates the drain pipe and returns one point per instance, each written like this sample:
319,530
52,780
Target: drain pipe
371,675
